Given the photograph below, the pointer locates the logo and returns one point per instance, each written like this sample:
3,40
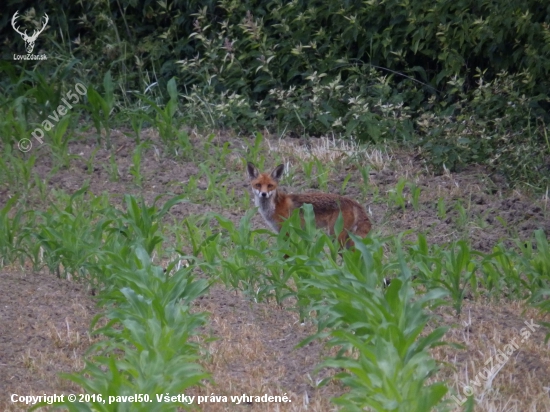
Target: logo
29,40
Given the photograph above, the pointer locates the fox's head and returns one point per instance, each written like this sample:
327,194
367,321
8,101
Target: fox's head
264,184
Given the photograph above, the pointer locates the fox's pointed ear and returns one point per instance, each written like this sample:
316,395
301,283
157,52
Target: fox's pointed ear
252,171
278,172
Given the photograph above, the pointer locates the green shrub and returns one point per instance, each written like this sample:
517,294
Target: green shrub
472,81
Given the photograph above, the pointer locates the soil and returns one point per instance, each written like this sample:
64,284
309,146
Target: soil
44,320
44,325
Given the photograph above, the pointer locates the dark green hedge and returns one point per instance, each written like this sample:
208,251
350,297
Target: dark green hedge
459,74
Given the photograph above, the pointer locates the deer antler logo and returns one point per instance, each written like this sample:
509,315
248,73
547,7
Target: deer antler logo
29,40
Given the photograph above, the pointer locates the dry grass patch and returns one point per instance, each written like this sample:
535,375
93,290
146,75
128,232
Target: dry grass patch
520,381
44,322
253,353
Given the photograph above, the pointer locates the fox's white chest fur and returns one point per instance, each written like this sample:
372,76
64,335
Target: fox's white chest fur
266,207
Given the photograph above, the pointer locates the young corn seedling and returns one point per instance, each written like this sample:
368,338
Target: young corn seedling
59,143
15,171
216,191
184,145
462,219
385,359
136,165
322,175
254,150
308,171
396,195
136,121
140,223
344,184
12,234
90,162
365,177
242,268
101,107
165,119
415,196
112,168
535,262
500,274
68,237
149,348
460,270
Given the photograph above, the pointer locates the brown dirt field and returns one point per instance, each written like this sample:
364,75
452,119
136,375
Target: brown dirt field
44,320
44,324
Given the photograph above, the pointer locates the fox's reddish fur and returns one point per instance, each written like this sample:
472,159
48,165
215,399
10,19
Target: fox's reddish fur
275,206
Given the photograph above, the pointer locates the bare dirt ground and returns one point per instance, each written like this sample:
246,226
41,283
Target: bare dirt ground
44,320
43,331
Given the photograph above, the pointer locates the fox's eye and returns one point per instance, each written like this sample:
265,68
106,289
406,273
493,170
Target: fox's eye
270,186
258,186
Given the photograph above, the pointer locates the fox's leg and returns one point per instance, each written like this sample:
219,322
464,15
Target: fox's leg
345,240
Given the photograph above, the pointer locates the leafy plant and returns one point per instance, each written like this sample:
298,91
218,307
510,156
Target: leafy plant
101,107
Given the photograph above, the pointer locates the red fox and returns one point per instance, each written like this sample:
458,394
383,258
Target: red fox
275,206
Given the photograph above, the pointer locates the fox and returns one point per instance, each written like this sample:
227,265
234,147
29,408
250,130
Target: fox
275,206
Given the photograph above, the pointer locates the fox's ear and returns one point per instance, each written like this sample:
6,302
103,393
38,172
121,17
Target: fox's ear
278,172
252,171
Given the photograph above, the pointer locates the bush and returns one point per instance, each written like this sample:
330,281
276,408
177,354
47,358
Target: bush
371,69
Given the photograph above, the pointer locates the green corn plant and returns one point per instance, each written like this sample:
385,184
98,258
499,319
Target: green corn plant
452,269
537,266
45,93
390,362
415,196
460,270
254,150
305,248
15,171
222,153
344,184
216,191
136,165
68,237
13,125
428,267
184,144
365,175
240,269
244,200
13,237
500,274
462,220
150,324
195,235
139,224
191,189
308,170
59,143
534,263
396,195
41,186
101,107
322,175
112,168
136,121
164,119
90,162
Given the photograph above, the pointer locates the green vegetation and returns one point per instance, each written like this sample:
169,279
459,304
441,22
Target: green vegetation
463,83
148,318
454,81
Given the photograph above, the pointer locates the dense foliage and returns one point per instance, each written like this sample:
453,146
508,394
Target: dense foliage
465,80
